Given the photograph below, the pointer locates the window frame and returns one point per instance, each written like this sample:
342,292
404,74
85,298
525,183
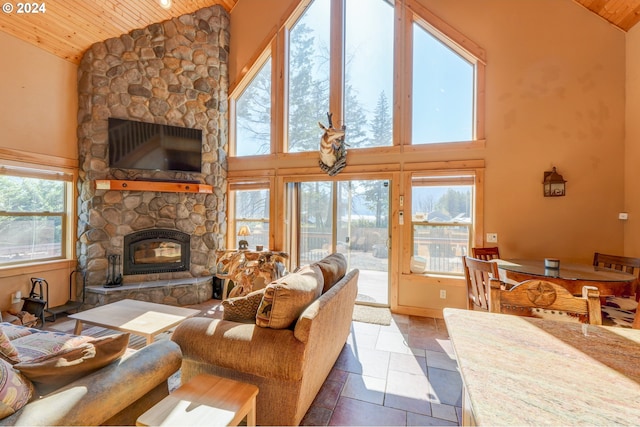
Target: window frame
444,181
67,214
406,13
435,173
232,220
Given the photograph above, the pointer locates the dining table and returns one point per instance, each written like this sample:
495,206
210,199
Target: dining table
528,372
572,276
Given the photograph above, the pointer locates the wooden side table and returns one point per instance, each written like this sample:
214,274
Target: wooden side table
205,400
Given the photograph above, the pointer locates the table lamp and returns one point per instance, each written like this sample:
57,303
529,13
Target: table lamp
243,232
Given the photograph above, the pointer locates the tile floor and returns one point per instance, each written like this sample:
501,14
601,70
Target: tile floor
404,374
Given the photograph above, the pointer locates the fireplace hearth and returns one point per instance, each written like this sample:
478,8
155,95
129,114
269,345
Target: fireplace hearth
156,250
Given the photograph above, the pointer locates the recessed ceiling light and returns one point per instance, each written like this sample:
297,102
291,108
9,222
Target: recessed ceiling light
165,4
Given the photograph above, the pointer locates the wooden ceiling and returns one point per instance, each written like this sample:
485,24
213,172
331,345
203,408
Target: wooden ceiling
624,14
67,28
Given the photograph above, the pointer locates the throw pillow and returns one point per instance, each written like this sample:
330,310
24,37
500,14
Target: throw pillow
53,371
286,298
242,309
7,350
17,331
333,268
46,343
15,390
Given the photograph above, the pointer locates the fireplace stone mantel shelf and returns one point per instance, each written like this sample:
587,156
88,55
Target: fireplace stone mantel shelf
180,292
161,186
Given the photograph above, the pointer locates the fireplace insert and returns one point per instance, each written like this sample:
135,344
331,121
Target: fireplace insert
156,250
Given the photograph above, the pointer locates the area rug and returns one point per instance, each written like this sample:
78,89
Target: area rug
136,342
369,314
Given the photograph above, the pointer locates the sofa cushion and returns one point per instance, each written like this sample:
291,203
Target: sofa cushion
15,390
44,343
53,371
287,297
333,268
242,309
7,350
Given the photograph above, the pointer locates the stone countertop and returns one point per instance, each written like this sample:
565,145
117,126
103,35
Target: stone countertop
525,371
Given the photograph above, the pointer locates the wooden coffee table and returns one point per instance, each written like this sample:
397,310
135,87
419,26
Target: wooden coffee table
137,317
206,400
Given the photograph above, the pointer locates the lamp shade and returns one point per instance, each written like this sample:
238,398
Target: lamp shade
244,231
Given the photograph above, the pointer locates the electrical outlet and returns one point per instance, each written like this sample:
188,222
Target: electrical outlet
623,215
492,237
443,294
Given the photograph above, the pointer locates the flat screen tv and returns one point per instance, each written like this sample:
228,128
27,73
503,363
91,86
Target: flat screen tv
152,146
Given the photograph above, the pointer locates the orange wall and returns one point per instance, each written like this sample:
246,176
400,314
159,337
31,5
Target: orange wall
38,107
555,97
39,100
251,24
632,146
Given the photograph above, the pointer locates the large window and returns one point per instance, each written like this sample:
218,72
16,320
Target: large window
384,71
309,61
34,215
253,115
443,91
368,86
442,220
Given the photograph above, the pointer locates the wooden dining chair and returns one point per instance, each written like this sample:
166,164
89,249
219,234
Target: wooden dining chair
618,310
477,273
486,254
547,300
616,262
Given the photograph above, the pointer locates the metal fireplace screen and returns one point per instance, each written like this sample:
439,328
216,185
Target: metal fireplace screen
156,251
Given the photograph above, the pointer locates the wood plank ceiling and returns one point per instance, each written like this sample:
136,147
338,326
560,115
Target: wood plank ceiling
68,27
624,14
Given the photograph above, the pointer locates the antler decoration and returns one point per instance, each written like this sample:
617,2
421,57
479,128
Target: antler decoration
333,151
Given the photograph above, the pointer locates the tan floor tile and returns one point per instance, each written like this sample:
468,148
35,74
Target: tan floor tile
368,389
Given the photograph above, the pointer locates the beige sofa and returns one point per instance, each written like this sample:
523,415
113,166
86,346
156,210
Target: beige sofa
288,365
115,394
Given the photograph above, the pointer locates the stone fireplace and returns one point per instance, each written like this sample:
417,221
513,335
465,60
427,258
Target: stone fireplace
173,73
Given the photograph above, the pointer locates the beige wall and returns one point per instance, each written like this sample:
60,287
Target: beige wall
555,96
38,107
632,145
39,100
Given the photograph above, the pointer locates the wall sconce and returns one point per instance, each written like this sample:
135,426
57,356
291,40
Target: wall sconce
553,183
243,232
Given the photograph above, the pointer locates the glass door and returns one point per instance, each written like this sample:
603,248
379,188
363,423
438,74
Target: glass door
350,217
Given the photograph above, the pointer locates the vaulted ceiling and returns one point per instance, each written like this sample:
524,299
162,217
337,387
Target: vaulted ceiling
624,14
67,28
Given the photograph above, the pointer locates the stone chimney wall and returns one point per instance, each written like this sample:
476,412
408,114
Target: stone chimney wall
173,73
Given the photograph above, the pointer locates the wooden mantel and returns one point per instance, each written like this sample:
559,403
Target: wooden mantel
161,186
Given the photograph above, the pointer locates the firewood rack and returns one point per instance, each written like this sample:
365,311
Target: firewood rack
72,304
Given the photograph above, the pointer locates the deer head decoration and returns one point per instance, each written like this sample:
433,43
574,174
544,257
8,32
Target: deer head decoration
333,153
